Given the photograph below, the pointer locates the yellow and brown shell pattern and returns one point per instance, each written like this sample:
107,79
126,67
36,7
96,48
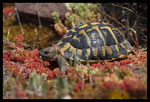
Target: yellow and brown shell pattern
98,40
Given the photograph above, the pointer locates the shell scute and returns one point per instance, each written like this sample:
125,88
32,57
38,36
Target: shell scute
97,40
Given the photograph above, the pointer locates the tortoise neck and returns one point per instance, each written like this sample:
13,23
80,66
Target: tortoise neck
56,49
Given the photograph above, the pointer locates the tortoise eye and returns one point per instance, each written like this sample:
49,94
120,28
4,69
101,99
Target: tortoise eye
46,52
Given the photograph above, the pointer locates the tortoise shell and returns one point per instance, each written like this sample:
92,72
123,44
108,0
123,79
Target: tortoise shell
97,40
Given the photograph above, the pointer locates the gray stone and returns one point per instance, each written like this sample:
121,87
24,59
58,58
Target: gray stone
28,12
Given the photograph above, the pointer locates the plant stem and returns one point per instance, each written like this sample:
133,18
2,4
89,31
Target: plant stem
19,21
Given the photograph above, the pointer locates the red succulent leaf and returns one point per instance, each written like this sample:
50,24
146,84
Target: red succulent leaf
12,46
133,84
7,11
108,65
125,62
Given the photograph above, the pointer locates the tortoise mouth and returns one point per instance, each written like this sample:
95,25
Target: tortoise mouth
45,58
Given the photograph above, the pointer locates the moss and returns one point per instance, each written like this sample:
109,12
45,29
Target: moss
88,93
118,94
44,35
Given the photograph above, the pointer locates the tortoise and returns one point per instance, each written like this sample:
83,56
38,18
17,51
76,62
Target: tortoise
97,41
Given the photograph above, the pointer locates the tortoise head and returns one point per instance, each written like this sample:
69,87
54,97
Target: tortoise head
49,53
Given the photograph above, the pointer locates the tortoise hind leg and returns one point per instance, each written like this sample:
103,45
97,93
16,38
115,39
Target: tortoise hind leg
63,63
133,52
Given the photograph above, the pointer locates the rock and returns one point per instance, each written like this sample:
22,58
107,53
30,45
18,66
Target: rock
28,12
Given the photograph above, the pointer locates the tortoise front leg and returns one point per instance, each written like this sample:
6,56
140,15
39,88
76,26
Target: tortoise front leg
63,63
